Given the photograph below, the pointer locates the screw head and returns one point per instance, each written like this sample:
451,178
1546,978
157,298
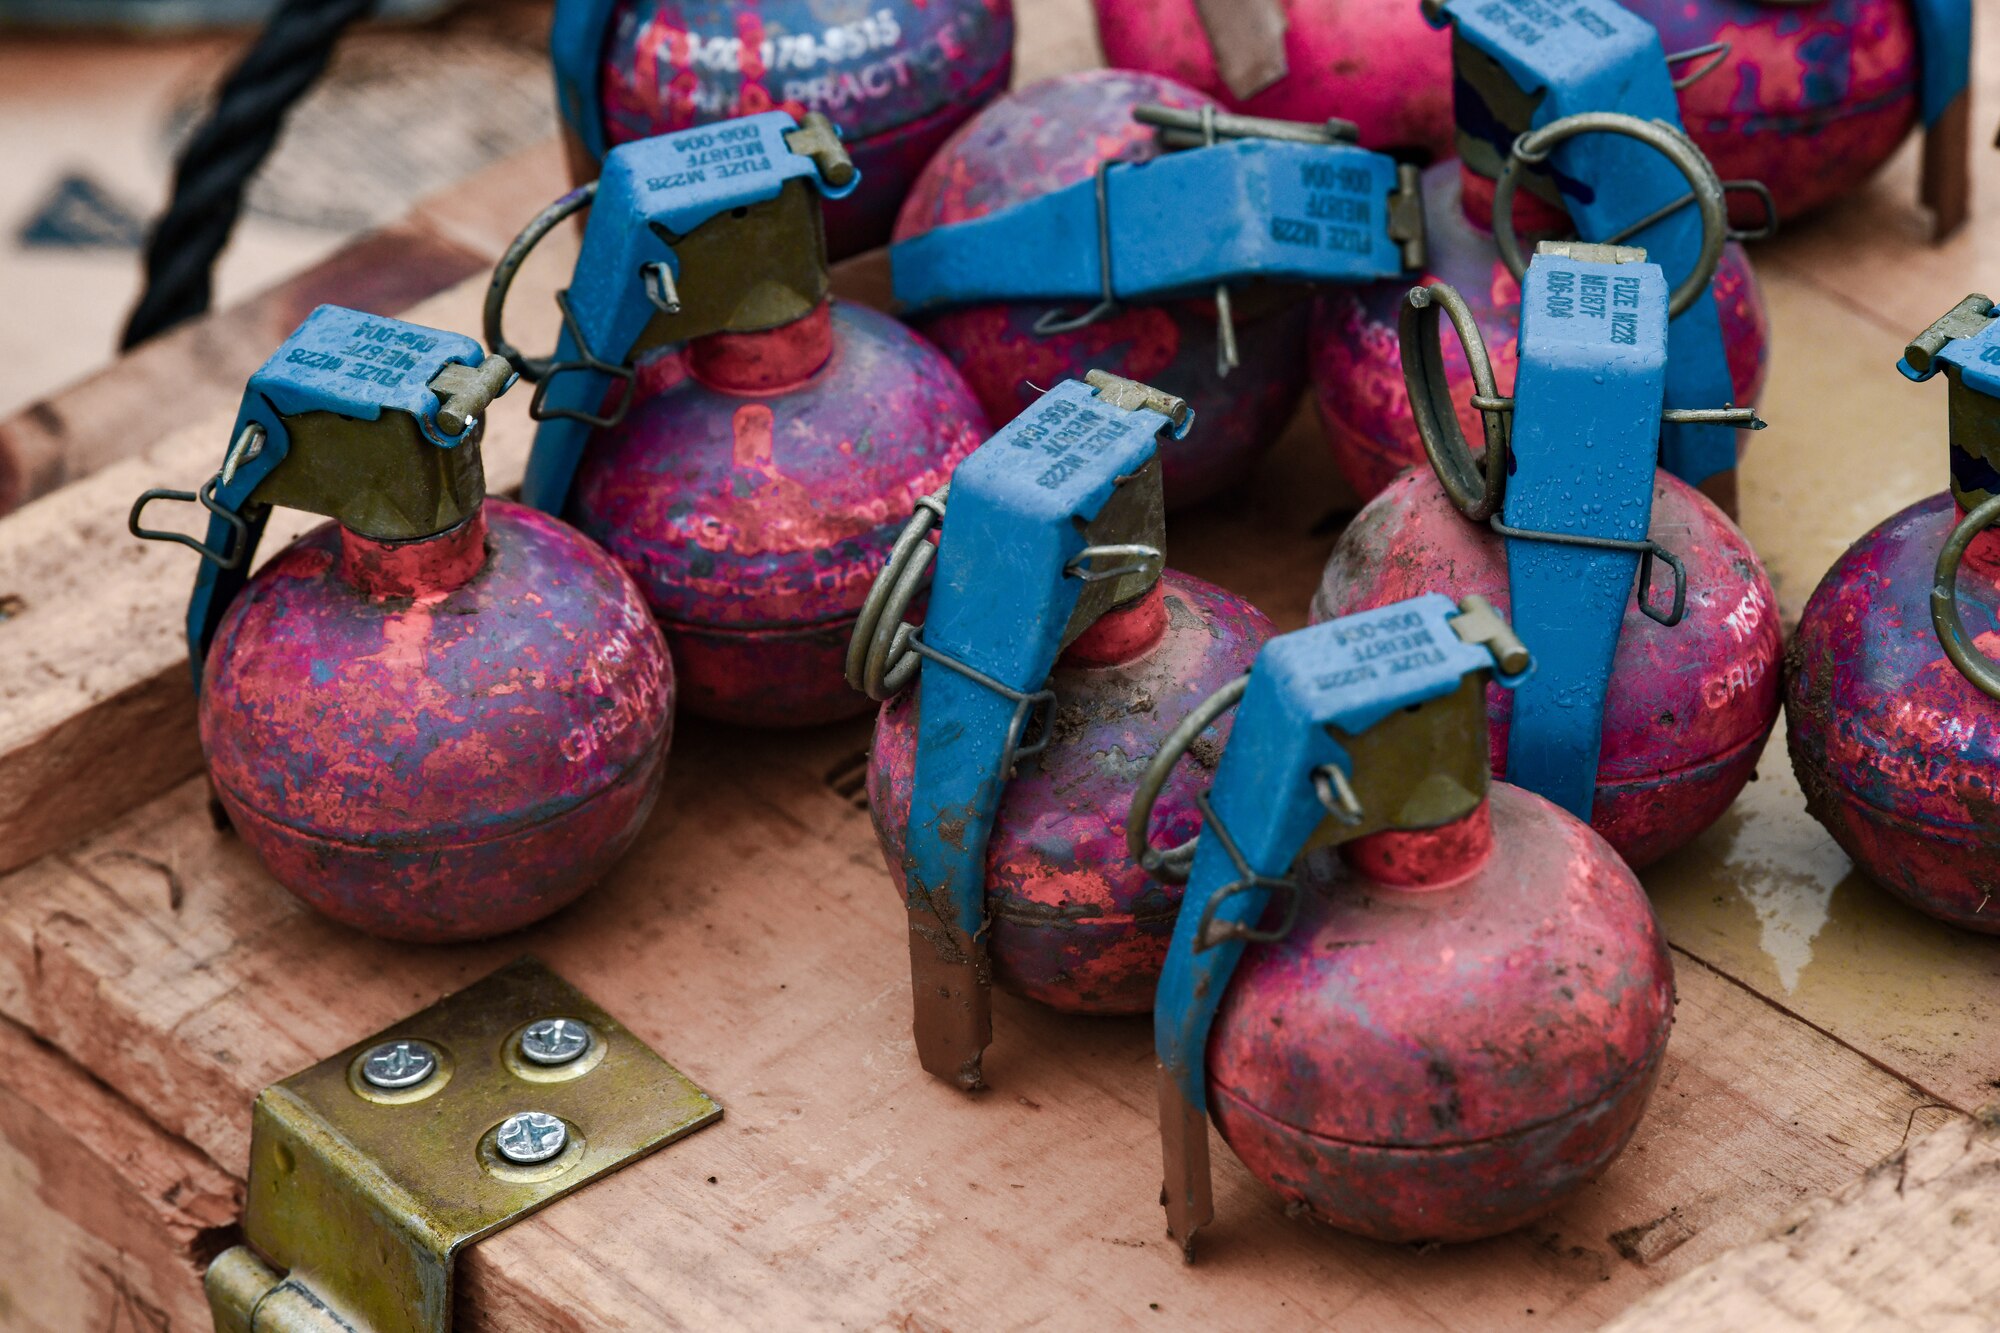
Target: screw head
527,1137
554,1041
399,1064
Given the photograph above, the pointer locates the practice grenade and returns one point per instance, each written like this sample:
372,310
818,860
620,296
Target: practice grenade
1892,693
1374,62
1580,133
1445,1027
745,446
1648,710
1812,98
1055,653
440,716
1036,245
896,76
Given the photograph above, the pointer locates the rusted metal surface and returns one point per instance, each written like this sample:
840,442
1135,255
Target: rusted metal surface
755,488
1054,134
1357,365
1075,923
1689,707
1895,749
1452,1051
897,77
1374,62
1810,99
442,739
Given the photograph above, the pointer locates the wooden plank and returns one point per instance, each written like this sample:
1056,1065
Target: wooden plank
1869,1257
849,1187
105,1222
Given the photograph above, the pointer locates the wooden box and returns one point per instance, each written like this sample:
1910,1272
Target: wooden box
1828,1042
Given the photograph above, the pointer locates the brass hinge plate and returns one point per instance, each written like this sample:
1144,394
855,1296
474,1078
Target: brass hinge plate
361,1196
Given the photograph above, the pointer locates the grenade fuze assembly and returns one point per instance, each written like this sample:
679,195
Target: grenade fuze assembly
1119,221
1566,125
1445,1027
1054,638
440,716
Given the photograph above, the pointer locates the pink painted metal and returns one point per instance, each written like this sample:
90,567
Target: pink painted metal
1689,707
1461,1029
1898,753
897,77
1053,134
1075,923
441,739
1811,99
1357,364
754,490
1374,62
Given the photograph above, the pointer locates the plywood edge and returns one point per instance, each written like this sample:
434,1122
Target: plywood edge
1913,1243
105,1221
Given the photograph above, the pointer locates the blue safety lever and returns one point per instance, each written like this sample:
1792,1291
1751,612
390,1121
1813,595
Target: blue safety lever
1237,198
1371,722
1567,479
708,230
1576,103
355,416
1052,522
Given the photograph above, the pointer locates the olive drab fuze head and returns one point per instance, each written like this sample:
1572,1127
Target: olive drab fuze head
1055,652
1567,121
744,445
440,716
1892,690
1374,62
1652,702
1120,221
1418,1005
896,77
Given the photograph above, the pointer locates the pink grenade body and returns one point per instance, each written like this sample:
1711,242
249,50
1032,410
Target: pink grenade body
441,739
1357,366
1810,99
1076,924
1053,134
1898,753
1462,1027
1374,62
754,489
1689,706
896,76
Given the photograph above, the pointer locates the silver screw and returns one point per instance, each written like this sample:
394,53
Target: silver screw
554,1041
399,1064
527,1137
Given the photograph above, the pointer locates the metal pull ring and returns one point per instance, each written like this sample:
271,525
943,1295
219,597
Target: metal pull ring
1171,865
1973,664
530,368
1476,486
1533,148
239,541
880,657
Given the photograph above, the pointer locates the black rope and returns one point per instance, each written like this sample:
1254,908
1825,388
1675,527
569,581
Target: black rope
216,166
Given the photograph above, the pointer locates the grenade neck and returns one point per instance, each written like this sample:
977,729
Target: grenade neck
768,361
417,568
1535,218
1123,633
1426,859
